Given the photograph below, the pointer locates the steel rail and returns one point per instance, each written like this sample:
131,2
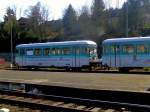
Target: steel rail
84,101
91,101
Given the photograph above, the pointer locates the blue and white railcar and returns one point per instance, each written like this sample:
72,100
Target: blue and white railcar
126,53
68,54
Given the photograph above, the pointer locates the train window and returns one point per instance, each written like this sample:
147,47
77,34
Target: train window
128,49
37,51
105,49
53,51
22,52
57,51
93,51
88,50
114,49
85,50
29,52
66,51
46,51
142,48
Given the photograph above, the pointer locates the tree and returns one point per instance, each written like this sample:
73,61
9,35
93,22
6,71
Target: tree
112,22
146,17
43,27
38,15
2,35
9,27
70,22
85,24
10,21
135,17
34,16
98,17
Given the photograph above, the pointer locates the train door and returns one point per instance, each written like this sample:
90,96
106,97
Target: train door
115,55
22,57
76,56
135,56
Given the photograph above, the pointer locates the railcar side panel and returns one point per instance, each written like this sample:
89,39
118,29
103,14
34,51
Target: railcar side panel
58,55
130,52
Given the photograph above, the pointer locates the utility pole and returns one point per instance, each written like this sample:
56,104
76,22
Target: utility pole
11,44
127,19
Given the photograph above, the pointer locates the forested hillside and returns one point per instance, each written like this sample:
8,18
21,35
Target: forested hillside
91,23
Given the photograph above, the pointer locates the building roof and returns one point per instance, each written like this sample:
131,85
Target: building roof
82,42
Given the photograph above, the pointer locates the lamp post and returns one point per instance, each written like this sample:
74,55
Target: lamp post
11,44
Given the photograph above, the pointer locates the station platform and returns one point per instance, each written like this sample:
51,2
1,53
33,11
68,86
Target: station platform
98,81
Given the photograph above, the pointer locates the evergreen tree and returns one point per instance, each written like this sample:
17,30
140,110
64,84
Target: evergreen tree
10,21
98,17
10,27
70,22
146,17
85,23
135,17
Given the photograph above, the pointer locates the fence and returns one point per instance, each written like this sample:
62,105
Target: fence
5,56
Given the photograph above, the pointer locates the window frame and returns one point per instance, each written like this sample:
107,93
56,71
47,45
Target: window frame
124,48
29,49
21,52
66,54
146,50
40,52
44,51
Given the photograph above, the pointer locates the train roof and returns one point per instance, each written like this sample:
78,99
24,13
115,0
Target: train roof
126,40
64,43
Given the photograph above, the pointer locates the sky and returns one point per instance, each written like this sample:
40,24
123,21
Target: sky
56,7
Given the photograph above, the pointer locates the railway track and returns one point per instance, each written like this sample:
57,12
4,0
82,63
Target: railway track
50,98
59,104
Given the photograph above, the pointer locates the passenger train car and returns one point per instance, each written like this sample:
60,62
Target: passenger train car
126,53
67,54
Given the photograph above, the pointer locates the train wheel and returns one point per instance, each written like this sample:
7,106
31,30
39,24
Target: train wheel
68,69
36,68
17,66
28,68
76,69
90,68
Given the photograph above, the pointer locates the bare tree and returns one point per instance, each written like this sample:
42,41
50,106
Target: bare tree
38,15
